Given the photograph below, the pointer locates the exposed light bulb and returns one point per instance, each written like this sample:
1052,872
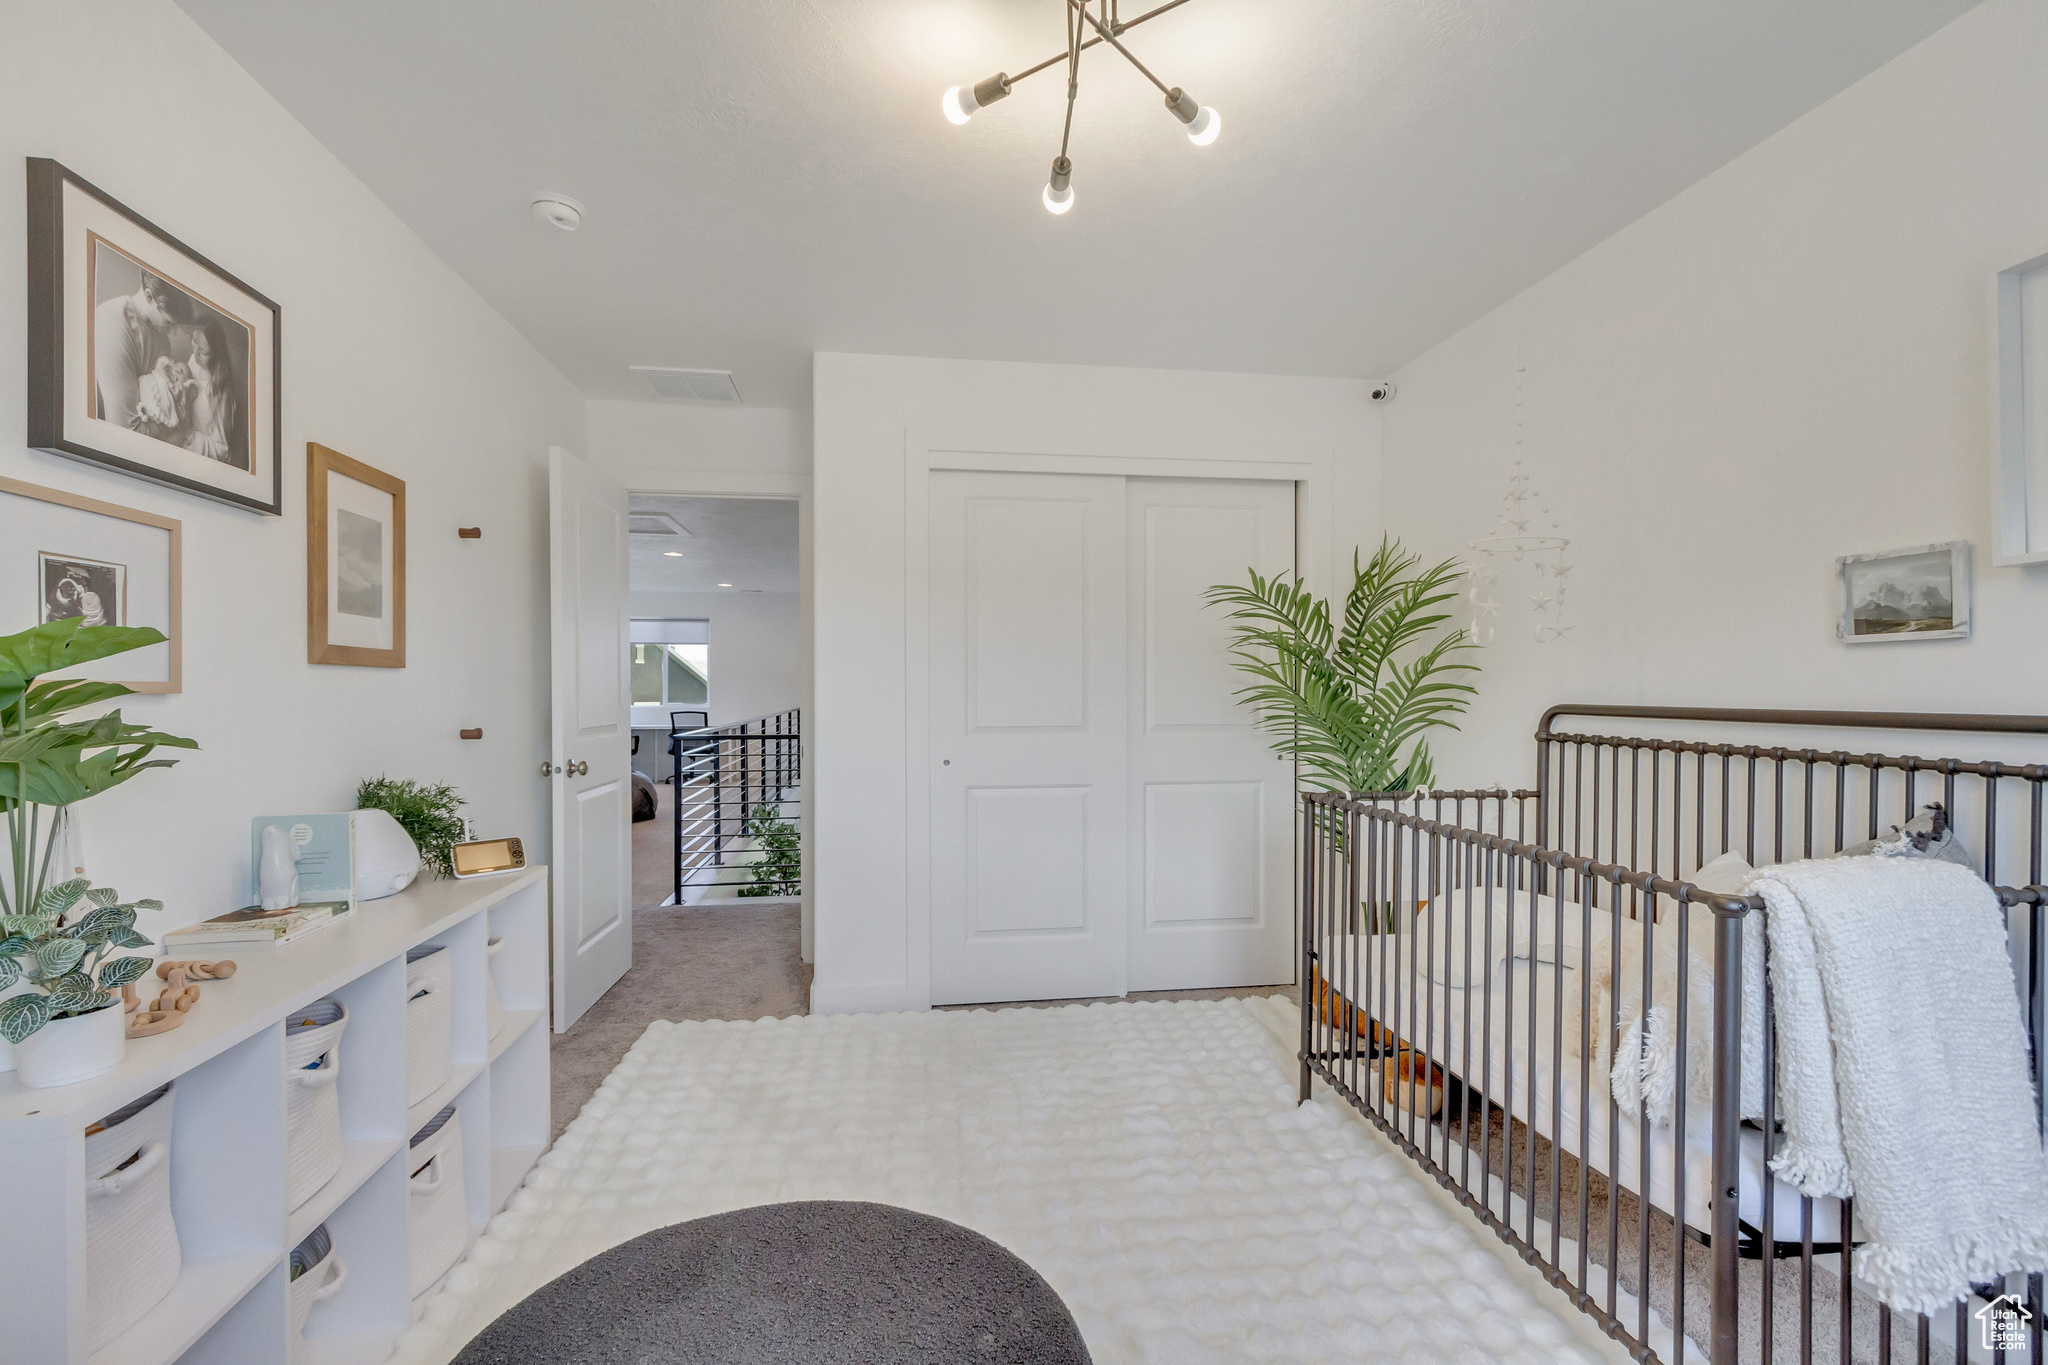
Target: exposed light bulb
1203,123
1058,195
959,103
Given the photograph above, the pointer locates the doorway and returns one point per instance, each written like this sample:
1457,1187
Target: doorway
1104,815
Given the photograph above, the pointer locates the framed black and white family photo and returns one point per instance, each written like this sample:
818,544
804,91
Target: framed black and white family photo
144,356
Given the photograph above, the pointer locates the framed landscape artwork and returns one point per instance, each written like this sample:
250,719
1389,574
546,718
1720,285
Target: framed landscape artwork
355,562
1920,593
144,356
66,556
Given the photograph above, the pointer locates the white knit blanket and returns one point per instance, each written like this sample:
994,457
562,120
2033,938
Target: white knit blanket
1902,1068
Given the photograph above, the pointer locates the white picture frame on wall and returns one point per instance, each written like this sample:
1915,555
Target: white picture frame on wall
2019,471
1921,592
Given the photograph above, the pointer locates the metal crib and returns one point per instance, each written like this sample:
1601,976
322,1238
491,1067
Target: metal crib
1604,843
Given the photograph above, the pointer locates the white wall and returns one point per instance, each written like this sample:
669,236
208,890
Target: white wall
1786,363
388,357
875,418
648,445
755,647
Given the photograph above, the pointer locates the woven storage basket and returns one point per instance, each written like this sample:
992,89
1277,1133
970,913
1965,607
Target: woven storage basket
494,1011
317,1274
312,1109
429,1019
438,1213
131,1241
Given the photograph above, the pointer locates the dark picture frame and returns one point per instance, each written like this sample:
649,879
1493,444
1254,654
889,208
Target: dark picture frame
203,349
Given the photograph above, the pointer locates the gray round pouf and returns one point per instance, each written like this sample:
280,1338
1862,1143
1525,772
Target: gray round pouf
815,1283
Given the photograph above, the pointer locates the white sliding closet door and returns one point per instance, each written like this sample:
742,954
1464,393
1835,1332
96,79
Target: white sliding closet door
1211,806
1028,709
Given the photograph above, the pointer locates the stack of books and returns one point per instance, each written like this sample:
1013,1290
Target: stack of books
255,927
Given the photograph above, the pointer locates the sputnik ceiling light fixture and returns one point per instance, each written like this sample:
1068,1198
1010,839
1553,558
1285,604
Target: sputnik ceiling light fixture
1203,123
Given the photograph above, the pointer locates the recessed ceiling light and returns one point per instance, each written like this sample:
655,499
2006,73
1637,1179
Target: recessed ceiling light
725,585
672,554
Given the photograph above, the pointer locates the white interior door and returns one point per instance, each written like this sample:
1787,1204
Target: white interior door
1027,737
1211,805
589,764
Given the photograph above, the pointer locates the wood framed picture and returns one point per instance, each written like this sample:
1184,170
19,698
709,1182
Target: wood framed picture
65,556
144,356
355,562
1918,593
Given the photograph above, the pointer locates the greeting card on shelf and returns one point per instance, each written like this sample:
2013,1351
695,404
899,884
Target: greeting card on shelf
326,846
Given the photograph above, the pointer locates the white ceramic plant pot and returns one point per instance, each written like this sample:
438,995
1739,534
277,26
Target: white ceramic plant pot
7,1048
74,1049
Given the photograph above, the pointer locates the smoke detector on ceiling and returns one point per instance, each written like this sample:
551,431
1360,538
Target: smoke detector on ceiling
655,524
702,386
557,210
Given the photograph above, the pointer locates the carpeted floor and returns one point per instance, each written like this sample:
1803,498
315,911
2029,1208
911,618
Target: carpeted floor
724,962
654,841
1148,1160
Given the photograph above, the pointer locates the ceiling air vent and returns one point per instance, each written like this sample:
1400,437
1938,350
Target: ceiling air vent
655,524
703,386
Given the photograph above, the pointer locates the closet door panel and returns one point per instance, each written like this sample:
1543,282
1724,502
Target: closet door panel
1028,732
1211,805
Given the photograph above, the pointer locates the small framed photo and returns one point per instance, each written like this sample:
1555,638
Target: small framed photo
355,562
67,556
1919,593
144,356
73,585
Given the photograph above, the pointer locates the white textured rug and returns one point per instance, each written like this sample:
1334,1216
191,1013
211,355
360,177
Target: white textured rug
1147,1159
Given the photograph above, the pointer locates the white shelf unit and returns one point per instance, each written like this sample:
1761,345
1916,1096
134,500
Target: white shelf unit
227,1142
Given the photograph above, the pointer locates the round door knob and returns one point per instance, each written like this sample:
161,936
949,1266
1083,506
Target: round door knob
548,770
578,769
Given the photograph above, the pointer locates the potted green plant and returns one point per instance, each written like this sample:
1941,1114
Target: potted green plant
58,975
424,811
1350,702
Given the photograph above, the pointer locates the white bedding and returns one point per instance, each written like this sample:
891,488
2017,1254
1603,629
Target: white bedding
1540,1092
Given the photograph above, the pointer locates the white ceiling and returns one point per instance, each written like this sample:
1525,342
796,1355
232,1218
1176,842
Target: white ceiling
766,180
747,542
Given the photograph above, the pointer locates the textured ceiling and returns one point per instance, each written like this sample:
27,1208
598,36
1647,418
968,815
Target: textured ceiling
766,180
747,542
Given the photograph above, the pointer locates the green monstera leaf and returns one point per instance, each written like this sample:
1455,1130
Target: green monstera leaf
21,1015
58,645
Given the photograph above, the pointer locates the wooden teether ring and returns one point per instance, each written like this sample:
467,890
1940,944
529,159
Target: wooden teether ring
149,1022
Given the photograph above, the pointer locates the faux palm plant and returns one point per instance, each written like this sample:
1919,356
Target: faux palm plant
1351,702
59,936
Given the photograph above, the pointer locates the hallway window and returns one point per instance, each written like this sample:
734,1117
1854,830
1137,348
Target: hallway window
670,663
671,675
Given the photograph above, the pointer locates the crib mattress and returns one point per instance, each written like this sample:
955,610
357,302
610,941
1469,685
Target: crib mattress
1468,1033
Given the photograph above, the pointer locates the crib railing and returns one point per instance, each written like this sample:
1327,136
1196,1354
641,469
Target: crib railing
1392,899
1499,1088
